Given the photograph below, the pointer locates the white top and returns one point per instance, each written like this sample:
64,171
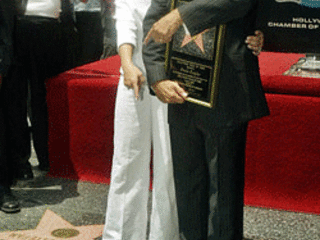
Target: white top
87,5
44,8
129,15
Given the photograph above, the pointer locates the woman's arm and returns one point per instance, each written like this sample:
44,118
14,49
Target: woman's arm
133,77
127,42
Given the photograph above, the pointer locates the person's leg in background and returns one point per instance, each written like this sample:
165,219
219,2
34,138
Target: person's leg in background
38,56
15,93
45,56
8,202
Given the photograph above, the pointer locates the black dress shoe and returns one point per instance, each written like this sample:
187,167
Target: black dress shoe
8,202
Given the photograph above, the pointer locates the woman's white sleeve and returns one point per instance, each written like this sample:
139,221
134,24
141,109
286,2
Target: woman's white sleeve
125,22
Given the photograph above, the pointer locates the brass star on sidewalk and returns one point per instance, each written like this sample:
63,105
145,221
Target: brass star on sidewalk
197,39
53,227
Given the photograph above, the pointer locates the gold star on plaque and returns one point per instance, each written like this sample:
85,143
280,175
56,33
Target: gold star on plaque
53,227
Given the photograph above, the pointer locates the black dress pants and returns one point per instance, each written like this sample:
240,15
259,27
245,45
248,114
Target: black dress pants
90,36
209,177
5,169
38,55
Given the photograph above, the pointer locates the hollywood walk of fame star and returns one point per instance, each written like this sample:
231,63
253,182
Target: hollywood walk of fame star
197,39
53,227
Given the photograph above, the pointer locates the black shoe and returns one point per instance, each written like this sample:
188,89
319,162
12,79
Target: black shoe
8,202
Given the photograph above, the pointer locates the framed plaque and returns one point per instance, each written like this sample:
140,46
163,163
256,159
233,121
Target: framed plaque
194,61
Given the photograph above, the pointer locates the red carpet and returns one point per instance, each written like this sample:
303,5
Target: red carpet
283,151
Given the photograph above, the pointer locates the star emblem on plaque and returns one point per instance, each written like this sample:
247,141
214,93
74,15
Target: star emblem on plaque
198,39
194,61
53,227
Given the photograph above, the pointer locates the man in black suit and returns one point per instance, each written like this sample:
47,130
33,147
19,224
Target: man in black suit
208,145
8,203
43,38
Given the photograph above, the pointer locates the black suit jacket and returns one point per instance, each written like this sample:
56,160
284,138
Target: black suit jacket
240,97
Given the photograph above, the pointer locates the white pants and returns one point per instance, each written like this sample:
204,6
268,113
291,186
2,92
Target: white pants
137,124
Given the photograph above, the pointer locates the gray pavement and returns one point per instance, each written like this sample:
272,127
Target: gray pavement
83,203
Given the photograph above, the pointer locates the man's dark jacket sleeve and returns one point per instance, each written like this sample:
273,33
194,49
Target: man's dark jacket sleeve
198,15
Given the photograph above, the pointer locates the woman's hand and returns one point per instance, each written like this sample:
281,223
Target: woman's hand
133,78
255,43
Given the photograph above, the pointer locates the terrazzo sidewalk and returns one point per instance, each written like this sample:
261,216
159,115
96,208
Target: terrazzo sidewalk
65,209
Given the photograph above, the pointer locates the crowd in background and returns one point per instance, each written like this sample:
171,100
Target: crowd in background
40,39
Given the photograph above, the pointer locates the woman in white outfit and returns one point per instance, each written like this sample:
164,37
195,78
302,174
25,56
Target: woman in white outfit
140,121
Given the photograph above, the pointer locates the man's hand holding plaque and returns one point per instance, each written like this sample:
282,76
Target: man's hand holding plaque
189,60
169,91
